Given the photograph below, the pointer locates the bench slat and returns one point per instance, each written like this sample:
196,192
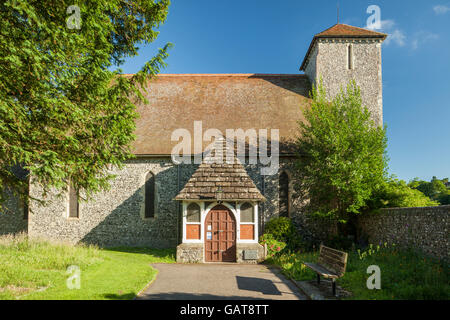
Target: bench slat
325,260
321,270
340,256
331,262
328,258
328,249
333,268
332,255
332,259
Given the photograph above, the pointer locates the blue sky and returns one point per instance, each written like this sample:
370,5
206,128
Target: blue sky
262,36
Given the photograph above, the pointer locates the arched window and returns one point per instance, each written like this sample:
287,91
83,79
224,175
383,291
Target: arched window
193,213
149,195
350,57
283,195
25,202
73,202
247,213
25,209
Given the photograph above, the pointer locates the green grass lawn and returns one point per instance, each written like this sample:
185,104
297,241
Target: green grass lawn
38,270
405,275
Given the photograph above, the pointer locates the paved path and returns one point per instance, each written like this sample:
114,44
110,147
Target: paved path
220,281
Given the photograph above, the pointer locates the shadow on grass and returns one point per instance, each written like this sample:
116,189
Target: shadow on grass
158,253
122,296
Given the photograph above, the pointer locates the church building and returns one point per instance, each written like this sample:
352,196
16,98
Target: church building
212,211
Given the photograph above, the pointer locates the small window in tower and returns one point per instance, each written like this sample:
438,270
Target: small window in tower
149,196
25,209
73,203
350,57
25,203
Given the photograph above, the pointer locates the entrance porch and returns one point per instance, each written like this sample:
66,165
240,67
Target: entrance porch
220,211
220,232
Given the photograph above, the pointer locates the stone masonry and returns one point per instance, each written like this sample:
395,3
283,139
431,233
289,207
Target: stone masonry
115,217
328,60
13,219
426,229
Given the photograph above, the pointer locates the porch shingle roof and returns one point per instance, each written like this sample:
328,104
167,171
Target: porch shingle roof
214,174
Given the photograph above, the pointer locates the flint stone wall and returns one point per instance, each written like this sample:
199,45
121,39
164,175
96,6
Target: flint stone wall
116,217
194,253
190,253
423,228
241,247
12,217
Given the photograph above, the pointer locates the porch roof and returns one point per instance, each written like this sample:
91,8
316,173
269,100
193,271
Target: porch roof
215,175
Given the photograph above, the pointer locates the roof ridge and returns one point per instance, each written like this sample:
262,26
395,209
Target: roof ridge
369,32
361,28
224,74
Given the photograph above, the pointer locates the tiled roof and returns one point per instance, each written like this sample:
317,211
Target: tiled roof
220,101
342,31
214,175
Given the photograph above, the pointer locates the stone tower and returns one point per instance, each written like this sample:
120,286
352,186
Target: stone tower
343,53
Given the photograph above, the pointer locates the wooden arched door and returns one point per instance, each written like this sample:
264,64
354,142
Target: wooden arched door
220,235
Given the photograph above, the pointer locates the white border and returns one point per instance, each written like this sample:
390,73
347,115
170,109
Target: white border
204,212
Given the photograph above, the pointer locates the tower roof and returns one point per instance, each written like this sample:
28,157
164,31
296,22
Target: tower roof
342,31
215,173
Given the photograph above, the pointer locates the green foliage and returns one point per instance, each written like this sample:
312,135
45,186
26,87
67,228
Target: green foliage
65,111
444,198
435,189
279,228
396,193
339,242
405,274
282,229
342,156
32,269
370,250
273,246
292,264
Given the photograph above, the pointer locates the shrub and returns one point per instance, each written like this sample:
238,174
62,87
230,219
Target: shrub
339,242
436,189
273,246
444,198
396,193
282,229
344,154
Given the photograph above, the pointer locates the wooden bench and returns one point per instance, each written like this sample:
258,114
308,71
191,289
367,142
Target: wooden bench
331,264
